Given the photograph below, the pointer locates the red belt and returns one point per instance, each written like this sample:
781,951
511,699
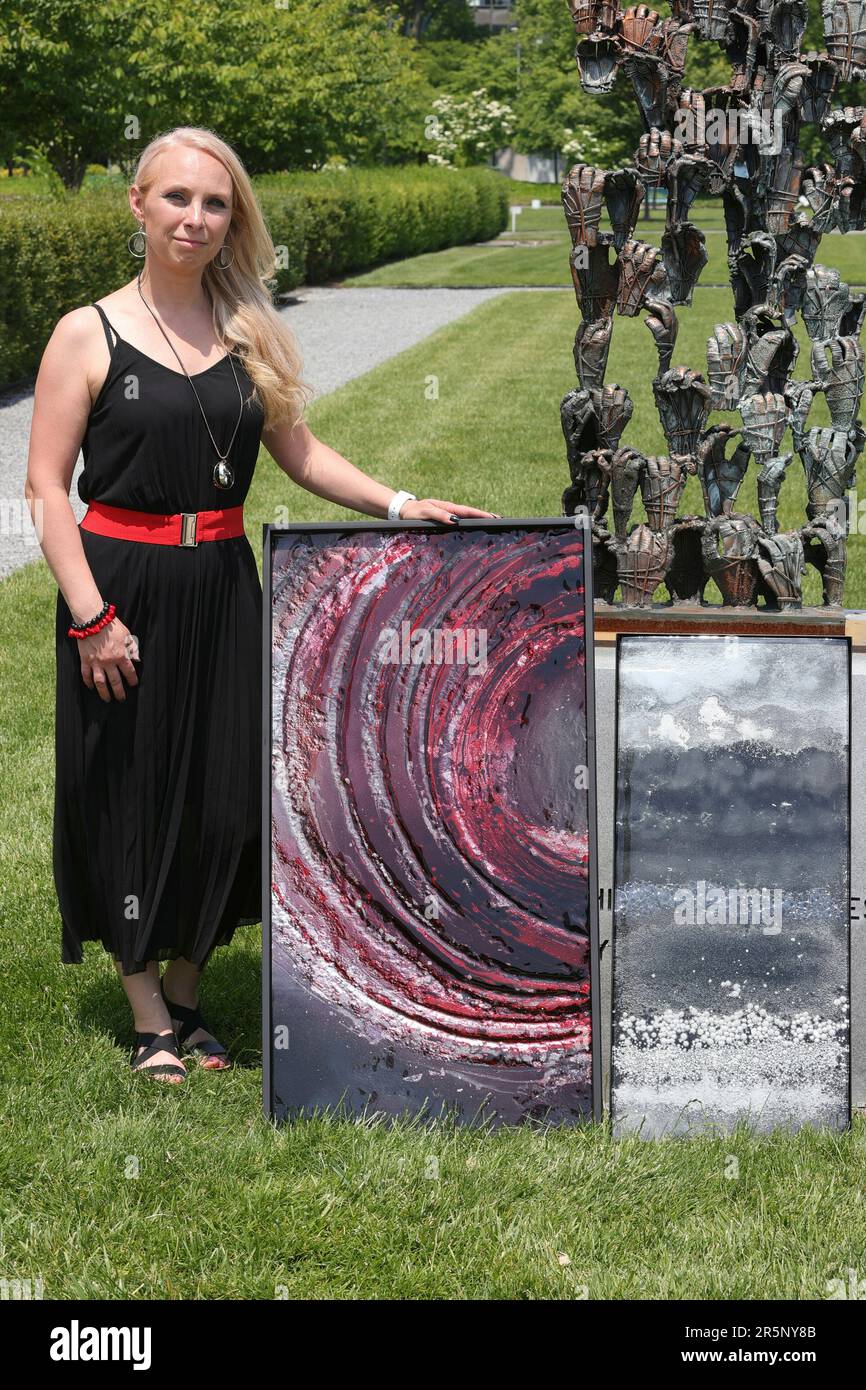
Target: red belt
163,528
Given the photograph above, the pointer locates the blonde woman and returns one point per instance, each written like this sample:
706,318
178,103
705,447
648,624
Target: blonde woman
169,385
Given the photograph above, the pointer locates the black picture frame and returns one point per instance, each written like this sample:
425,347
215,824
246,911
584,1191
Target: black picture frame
565,523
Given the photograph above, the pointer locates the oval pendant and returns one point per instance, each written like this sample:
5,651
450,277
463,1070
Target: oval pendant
223,477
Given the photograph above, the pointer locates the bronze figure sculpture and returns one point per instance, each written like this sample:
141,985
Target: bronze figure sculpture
742,143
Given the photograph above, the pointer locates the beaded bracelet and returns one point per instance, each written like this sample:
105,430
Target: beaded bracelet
102,619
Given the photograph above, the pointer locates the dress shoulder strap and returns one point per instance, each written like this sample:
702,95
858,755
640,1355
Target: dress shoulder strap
106,326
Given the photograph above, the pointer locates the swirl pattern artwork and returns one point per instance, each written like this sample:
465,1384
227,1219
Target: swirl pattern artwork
740,142
432,938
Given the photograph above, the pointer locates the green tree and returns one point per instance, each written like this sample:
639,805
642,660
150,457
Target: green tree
57,91
460,68
286,83
531,68
549,95
432,19
316,78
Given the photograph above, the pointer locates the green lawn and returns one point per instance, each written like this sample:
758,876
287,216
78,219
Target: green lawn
112,1185
547,263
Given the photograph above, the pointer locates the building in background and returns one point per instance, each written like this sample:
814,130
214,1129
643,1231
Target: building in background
529,168
495,15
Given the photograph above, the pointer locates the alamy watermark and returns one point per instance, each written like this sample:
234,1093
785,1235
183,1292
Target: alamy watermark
20,518
439,646
850,1287
848,513
77,1343
712,906
728,128
17,1289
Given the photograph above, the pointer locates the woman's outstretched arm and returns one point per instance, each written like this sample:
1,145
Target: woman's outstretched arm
321,470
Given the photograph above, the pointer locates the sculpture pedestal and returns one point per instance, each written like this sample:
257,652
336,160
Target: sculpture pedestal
713,619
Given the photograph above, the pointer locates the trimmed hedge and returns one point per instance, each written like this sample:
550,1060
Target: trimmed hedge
353,221
59,253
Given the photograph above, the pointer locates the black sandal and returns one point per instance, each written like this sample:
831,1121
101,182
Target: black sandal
154,1043
190,1020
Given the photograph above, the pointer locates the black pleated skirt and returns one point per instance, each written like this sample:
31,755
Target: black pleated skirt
157,812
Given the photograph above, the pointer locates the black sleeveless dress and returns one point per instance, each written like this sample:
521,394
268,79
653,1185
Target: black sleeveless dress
157,811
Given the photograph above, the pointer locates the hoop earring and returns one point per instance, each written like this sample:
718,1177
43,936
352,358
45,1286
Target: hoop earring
220,264
139,255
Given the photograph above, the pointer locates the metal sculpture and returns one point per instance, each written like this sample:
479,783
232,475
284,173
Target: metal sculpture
739,142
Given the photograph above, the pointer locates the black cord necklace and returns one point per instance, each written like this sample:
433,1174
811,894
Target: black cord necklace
222,477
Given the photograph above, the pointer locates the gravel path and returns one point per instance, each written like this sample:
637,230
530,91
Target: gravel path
342,333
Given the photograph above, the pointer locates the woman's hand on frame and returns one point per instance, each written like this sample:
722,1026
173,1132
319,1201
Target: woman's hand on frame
435,509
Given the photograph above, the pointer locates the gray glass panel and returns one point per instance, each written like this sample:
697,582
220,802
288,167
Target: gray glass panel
731,869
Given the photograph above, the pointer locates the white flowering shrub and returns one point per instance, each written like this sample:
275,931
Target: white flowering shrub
466,130
582,146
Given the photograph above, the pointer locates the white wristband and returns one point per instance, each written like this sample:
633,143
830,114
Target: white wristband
397,502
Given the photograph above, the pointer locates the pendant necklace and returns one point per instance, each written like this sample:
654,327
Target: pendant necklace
223,476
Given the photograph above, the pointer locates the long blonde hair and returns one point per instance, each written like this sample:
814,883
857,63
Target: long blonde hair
243,313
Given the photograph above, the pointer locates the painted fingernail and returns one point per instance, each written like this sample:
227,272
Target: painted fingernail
454,518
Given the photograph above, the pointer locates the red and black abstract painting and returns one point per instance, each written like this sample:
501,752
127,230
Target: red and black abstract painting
430,922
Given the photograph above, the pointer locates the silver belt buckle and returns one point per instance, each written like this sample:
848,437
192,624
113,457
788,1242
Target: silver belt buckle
188,521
